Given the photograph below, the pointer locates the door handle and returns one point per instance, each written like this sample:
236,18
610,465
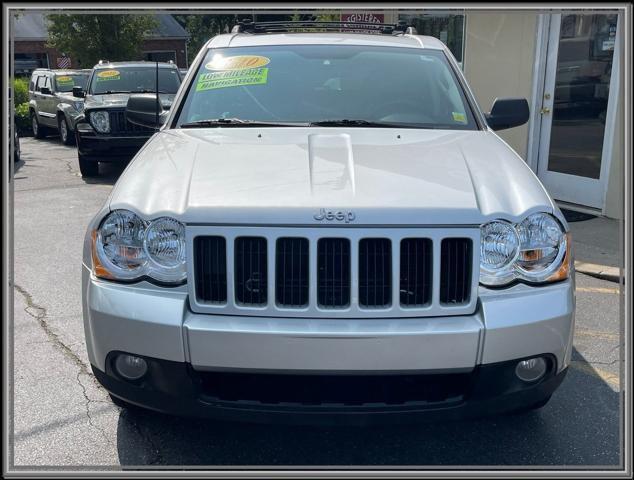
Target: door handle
545,111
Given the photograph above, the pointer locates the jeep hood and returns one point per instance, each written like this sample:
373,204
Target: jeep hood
120,100
284,176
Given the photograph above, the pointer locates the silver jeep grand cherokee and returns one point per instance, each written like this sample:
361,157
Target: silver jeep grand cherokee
326,227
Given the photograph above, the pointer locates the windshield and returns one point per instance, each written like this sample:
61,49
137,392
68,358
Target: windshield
66,82
134,79
324,83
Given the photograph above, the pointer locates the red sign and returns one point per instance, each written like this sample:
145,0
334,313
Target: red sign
363,17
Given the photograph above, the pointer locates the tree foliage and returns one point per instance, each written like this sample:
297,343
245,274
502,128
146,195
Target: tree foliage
88,38
202,27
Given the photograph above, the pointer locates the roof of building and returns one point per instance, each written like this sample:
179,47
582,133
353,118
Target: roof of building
32,26
333,38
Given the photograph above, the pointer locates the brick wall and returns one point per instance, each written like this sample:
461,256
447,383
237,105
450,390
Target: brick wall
39,47
178,46
168,45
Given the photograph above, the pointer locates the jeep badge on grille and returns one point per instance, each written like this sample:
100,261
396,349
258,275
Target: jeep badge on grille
346,216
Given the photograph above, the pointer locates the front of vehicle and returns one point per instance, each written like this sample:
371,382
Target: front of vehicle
326,227
65,81
103,132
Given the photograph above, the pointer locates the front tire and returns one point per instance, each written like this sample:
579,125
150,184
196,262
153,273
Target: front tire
39,131
64,132
88,168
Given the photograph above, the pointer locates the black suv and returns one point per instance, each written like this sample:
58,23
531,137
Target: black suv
52,105
102,130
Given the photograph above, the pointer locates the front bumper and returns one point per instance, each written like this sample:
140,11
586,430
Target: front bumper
157,323
109,148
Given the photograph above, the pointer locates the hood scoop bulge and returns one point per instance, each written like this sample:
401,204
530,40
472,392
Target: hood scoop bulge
331,164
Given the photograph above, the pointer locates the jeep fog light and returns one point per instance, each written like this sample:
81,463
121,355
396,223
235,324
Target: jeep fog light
531,369
130,367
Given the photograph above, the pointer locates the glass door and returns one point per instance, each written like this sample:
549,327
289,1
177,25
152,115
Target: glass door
576,106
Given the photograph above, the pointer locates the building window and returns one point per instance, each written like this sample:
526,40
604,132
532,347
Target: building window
447,27
27,62
160,56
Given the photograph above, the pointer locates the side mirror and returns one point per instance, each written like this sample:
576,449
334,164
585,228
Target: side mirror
141,110
78,92
508,113
45,91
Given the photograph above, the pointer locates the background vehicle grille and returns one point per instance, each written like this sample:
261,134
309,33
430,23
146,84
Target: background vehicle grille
119,124
349,273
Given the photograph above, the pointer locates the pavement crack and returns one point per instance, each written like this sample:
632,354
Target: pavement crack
87,403
157,457
39,313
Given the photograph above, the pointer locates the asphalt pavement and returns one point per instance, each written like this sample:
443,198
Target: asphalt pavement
61,417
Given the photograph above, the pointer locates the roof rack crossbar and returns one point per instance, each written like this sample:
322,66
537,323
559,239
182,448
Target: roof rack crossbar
249,26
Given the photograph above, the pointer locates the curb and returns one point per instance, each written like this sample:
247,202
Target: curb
604,272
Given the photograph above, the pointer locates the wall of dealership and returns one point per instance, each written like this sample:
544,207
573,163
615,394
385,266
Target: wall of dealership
499,60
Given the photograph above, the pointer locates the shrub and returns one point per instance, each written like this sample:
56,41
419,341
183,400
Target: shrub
22,120
20,90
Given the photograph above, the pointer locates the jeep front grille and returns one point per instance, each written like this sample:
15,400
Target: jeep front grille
341,272
291,272
455,270
250,270
119,124
416,272
333,272
375,272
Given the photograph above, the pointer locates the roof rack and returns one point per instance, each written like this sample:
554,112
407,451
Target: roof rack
249,26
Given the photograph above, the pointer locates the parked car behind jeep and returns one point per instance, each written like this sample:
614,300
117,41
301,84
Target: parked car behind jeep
52,105
103,131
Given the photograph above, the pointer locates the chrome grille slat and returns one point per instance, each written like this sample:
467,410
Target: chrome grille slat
251,275
375,272
337,272
333,272
292,268
416,272
455,277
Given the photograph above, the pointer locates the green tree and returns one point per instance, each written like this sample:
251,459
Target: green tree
202,27
88,38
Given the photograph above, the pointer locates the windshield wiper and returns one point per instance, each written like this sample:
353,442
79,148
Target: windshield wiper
149,91
110,92
238,122
364,123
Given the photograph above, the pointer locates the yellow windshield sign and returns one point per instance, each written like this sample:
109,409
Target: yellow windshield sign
239,62
109,75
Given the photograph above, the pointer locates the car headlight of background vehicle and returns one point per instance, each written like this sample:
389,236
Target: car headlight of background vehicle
125,247
536,250
100,120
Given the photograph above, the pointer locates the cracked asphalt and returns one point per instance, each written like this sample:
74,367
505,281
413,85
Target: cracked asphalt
61,417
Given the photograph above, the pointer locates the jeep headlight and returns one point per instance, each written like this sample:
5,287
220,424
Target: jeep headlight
499,248
125,247
536,250
100,120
